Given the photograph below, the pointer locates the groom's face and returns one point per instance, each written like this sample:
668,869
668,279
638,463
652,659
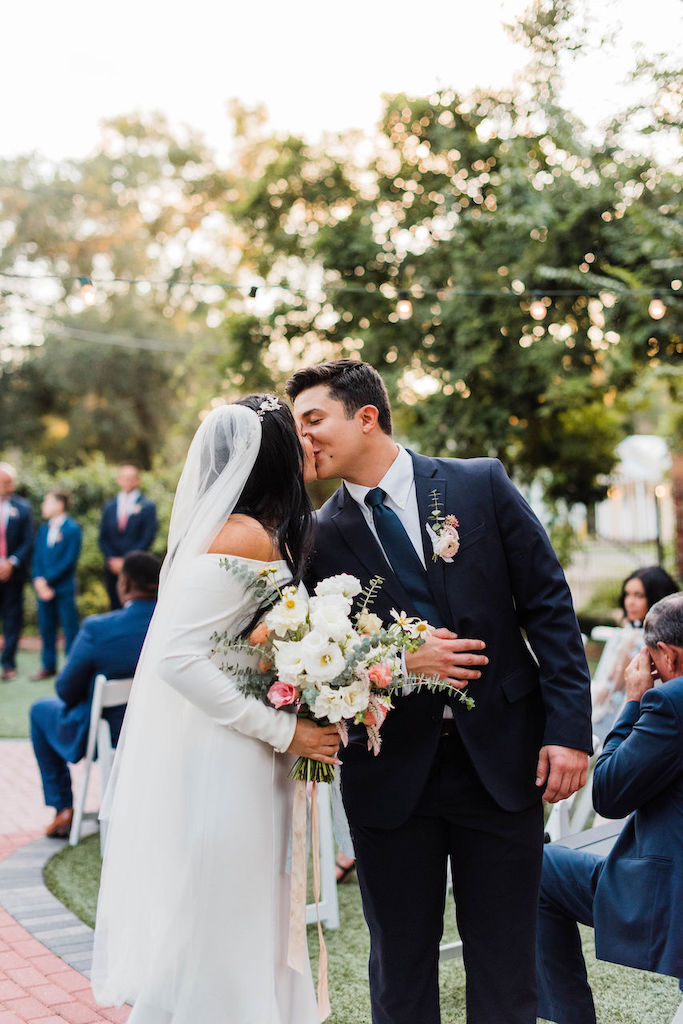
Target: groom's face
337,440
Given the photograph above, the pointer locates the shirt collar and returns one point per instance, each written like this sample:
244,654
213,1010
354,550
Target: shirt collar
129,497
396,482
57,521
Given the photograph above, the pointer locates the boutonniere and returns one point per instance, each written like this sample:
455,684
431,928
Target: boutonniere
443,532
57,539
134,509
13,512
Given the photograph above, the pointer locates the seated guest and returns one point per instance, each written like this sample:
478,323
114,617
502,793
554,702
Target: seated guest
633,897
55,557
110,644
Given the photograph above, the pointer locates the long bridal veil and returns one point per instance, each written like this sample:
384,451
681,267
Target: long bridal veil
145,894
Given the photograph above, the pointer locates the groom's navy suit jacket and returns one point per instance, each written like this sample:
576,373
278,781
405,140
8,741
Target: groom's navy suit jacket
504,581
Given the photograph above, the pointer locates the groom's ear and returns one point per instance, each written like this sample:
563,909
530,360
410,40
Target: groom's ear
367,417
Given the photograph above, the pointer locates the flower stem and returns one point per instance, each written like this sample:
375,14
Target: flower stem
308,770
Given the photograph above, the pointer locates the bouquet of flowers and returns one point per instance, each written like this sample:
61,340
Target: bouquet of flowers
312,656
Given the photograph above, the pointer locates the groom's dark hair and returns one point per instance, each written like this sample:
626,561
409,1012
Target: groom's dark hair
348,381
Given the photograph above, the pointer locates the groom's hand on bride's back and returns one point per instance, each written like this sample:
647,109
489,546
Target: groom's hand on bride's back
321,742
447,656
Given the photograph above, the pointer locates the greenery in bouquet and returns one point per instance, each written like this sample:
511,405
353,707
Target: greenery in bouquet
311,656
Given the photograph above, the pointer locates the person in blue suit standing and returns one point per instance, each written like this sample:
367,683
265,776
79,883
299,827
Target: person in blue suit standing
16,541
108,644
129,523
55,557
633,897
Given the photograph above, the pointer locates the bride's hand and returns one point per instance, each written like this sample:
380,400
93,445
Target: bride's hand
319,742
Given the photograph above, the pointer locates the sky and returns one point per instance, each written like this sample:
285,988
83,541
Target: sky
316,66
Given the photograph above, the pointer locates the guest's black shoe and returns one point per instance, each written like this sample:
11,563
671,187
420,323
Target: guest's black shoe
45,673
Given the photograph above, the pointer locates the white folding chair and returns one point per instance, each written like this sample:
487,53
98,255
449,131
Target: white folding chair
107,693
328,907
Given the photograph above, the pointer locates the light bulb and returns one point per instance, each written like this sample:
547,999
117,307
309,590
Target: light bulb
537,310
656,309
88,294
250,301
404,306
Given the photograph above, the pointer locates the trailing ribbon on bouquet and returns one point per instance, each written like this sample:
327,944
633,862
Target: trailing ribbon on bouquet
297,951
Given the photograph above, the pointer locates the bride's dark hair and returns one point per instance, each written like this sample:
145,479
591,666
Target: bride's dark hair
274,493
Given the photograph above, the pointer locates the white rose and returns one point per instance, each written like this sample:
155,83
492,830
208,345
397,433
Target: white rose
322,661
344,584
344,702
330,614
289,661
368,622
329,704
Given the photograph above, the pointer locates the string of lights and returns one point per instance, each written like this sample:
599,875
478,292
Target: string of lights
539,299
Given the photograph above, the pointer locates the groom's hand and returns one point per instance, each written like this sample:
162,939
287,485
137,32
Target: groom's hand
445,655
321,742
564,769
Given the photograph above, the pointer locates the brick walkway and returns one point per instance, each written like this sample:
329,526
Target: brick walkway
35,983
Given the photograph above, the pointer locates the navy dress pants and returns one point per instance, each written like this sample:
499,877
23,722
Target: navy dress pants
52,755
60,610
12,616
568,882
496,862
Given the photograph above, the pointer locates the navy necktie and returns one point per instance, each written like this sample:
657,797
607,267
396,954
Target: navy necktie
402,556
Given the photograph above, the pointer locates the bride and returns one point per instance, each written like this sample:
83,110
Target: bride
192,916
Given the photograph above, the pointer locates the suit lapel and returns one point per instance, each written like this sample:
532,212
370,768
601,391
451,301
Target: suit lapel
356,533
428,485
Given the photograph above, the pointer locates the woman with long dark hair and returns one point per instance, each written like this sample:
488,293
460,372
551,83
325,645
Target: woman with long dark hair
194,902
639,591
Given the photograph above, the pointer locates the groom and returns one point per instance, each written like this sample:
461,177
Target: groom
449,782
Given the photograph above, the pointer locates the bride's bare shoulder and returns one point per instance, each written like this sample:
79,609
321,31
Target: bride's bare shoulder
246,537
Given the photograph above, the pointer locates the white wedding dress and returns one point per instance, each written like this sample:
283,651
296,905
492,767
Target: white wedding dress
192,918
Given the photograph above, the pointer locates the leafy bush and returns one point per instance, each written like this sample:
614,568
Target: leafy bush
603,607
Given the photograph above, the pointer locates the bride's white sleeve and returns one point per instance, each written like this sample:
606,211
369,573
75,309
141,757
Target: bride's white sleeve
201,610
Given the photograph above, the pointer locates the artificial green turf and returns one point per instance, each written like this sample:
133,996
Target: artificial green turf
622,995
17,695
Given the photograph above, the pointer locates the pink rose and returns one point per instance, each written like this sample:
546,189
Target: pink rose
447,545
282,693
380,675
377,716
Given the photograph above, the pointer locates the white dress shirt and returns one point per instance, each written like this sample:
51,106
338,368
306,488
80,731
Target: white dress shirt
398,483
125,502
54,525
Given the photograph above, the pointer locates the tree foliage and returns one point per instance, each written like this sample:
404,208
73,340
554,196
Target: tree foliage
474,205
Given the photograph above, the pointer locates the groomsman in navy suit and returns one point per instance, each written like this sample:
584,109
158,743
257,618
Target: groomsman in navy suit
16,540
55,557
129,523
110,644
449,783
633,897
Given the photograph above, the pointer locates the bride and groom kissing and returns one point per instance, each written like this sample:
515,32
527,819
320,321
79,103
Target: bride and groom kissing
448,783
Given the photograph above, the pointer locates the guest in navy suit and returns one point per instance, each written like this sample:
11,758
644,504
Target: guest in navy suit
129,523
16,540
55,557
110,644
449,782
633,897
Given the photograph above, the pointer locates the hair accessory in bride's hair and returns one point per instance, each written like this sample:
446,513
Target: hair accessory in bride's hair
269,404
